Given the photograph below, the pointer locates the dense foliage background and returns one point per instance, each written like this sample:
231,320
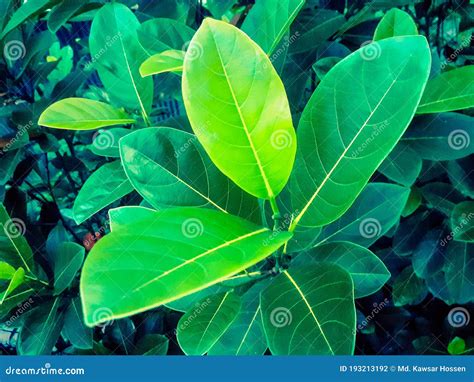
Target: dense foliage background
424,307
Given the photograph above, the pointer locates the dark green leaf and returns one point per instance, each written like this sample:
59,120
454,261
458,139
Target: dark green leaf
368,273
102,188
310,310
117,55
74,328
176,171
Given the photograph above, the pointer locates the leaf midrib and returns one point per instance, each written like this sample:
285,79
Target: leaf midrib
201,255
303,297
242,119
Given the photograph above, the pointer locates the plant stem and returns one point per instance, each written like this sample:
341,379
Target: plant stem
276,227
276,213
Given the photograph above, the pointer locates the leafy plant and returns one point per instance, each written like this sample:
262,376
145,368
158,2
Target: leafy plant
254,217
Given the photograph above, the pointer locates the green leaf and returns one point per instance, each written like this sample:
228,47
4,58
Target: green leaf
440,137
74,328
267,22
123,216
245,335
62,12
403,165
408,288
310,310
16,280
253,143
67,261
188,302
458,172
349,146
6,271
459,272
167,61
106,185
26,10
176,171
456,346
180,251
413,202
82,114
12,230
428,255
201,327
368,272
19,298
152,344
158,35
322,25
324,65
462,221
395,23
41,329
452,90
117,54
441,196
374,212
219,7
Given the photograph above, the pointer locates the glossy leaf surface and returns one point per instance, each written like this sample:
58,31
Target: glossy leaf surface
240,113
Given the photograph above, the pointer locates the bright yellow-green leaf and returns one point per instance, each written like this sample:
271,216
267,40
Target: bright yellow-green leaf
238,108
16,280
167,61
82,114
166,256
